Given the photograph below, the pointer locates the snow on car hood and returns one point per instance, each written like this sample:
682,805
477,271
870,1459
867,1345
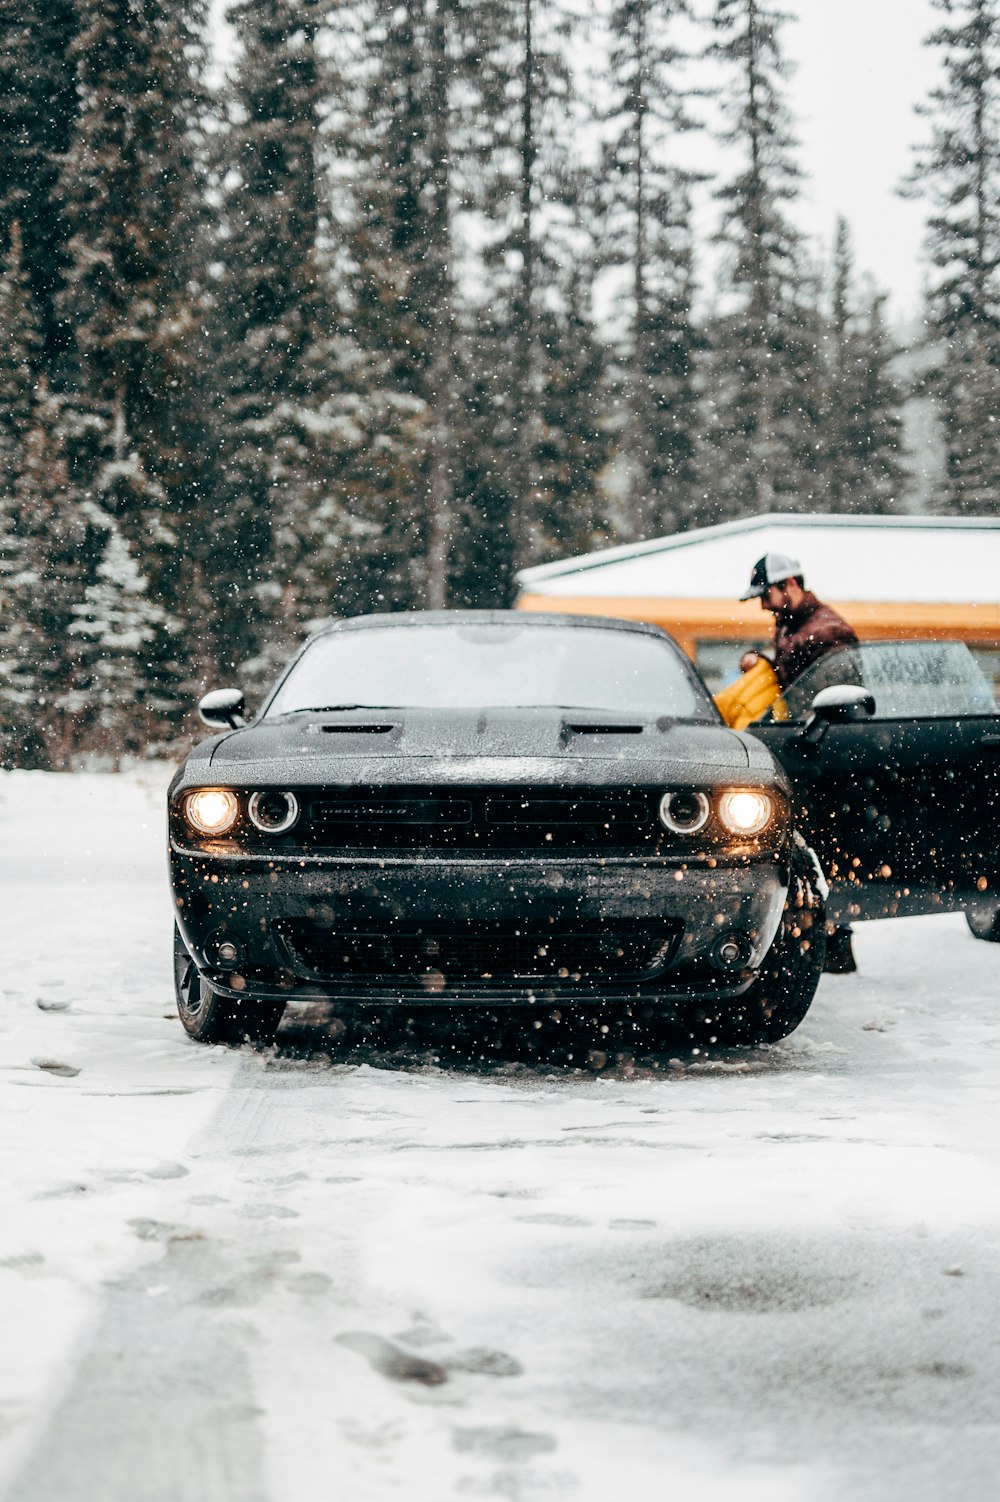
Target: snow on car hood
483,745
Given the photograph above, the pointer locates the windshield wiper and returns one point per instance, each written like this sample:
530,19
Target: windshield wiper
329,708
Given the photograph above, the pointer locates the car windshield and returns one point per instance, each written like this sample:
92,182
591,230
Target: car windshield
472,666
913,679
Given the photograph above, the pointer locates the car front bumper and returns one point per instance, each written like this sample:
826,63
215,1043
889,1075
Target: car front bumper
250,903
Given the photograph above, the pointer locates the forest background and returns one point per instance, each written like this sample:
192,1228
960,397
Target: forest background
417,295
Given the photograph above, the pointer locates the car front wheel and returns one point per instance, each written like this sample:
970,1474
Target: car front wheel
782,991
983,919
211,1018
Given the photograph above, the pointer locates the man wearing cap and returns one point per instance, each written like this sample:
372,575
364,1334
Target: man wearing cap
804,627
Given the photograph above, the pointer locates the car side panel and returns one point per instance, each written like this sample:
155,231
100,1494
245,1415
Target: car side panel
902,813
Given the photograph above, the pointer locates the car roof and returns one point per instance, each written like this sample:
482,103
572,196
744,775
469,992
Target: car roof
542,620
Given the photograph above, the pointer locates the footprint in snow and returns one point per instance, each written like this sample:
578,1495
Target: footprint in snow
549,1218
503,1444
484,1363
53,1066
392,1361
162,1230
46,1004
23,1261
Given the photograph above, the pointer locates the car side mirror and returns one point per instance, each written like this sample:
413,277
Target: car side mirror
223,709
840,704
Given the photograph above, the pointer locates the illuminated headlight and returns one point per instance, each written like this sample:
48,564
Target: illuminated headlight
744,811
273,812
211,810
684,813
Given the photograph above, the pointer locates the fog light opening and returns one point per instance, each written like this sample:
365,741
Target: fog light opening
732,951
223,952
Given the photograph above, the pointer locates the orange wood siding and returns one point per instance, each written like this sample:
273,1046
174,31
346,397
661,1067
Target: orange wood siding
690,621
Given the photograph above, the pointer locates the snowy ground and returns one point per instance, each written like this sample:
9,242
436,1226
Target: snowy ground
399,1270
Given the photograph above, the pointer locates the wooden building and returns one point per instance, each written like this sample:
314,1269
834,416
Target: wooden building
891,577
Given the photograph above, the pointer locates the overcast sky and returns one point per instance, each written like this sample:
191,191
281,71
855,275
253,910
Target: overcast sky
861,67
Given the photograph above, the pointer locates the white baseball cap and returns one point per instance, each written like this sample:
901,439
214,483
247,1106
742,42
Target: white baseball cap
771,569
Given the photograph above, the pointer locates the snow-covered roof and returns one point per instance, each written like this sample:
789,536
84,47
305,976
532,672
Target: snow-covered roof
900,558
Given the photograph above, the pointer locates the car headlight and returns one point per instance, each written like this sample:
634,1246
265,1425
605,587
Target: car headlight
273,812
684,812
745,811
211,810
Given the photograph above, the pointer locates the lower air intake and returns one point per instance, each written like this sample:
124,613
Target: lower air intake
498,951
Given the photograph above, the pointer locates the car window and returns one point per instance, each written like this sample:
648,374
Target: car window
466,666
911,679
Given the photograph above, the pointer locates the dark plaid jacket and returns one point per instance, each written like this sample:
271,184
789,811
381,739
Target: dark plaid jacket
803,635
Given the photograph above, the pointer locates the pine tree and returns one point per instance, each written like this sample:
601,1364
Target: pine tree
571,445
276,332
409,152
129,191
528,191
57,537
764,366
20,353
958,171
116,625
646,222
862,421
38,107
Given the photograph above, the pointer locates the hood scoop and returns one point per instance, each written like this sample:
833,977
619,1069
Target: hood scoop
576,729
352,729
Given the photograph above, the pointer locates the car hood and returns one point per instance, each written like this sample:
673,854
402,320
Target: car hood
482,745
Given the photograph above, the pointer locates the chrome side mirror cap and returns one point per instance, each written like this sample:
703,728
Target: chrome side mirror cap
223,709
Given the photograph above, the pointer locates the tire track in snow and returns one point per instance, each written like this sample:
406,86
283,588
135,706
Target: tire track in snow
160,1408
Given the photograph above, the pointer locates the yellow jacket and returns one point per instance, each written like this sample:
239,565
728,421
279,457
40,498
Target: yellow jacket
753,692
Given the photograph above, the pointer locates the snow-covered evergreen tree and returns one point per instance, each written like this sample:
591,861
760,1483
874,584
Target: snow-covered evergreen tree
958,172
277,364
116,625
860,454
56,538
410,151
38,107
645,199
764,369
129,193
20,354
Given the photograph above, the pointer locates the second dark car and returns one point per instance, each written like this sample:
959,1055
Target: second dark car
483,809
892,751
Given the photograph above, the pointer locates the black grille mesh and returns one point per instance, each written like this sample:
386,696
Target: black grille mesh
481,818
494,950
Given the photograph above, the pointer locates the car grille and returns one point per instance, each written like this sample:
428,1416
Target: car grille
497,950
368,820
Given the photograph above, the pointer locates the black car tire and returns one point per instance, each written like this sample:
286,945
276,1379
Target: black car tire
784,987
983,919
210,1018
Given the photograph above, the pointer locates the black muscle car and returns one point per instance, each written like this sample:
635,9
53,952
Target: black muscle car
482,809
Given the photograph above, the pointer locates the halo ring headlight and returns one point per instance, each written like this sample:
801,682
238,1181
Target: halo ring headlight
211,811
746,811
272,811
684,812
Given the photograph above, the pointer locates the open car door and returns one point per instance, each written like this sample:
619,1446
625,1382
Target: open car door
902,805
